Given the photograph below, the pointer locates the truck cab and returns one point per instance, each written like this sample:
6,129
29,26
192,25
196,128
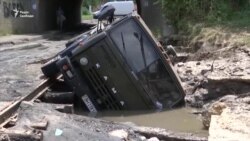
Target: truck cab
122,68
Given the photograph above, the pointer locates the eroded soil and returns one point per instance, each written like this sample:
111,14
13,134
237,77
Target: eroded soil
216,78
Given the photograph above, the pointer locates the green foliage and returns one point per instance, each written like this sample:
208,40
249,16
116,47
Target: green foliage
94,3
183,12
85,11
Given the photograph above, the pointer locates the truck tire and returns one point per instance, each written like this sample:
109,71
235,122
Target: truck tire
50,68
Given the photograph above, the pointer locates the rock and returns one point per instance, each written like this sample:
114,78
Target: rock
238,74
204,71
222,67
228,98
197,98
191,83
231,125
131,124
153,139
67,108
246,100
26,104
142,138
166,135
193,102
215,109
248,71
122,134
197,79
40,125
179,70
21,135
180,64
183,78
189,71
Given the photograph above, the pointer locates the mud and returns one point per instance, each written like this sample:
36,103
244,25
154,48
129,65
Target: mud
216,78
216,81
210,79
175,120
84,128
20,66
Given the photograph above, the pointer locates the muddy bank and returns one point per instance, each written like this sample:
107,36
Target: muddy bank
207,80
84,128
216,78
229,118
22,75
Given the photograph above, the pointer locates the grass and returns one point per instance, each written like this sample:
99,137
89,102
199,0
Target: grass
87,17
235,30
5,33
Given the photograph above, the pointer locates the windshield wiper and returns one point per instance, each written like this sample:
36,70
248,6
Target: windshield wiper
124,47
140,38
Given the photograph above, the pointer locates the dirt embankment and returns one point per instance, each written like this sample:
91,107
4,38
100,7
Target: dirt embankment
216,78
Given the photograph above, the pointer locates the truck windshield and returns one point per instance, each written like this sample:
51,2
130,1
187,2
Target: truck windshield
140,54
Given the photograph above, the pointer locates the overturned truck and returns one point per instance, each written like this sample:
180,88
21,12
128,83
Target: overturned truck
122,68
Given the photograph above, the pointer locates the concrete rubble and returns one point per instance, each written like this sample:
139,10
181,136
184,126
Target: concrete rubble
219,86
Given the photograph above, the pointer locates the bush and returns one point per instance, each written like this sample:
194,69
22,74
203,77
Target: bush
182,12
85,11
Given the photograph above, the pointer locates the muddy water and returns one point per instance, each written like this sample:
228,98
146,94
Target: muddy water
178,120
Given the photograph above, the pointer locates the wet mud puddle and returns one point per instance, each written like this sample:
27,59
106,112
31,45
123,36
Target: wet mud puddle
177,120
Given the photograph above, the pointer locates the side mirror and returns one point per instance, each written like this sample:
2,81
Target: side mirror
105,13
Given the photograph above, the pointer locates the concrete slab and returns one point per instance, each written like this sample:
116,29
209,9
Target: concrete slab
230,125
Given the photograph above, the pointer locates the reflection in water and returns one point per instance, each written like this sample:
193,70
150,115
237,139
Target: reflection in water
179,120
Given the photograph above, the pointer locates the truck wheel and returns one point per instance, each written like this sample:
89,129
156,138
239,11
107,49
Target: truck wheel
50,69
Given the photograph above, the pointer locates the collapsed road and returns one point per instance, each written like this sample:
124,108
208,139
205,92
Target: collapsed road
37,121
47,121
120,68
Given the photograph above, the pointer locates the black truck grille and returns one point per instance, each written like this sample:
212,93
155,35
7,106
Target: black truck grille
105,95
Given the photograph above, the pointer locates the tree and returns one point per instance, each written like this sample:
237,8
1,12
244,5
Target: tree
93,3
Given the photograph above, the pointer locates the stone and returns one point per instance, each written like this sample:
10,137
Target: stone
122,134
204,71
231,125
248,71
142,138
180,64
26,104
153,139
179,70
246,100
238,74
222,67
189,71
215,109
40,125
198,63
